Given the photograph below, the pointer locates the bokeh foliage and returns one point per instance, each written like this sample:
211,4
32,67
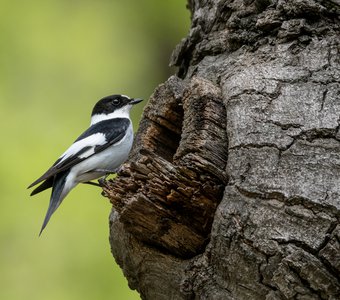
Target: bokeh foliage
57,59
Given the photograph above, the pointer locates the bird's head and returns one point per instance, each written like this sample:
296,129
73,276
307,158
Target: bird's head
114,106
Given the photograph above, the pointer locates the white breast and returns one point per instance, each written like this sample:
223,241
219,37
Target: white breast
109,159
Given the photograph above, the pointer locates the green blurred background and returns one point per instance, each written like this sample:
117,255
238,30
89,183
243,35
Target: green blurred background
57,58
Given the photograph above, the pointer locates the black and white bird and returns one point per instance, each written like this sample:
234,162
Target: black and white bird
99,151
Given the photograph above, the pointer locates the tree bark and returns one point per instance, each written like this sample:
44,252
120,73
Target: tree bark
232,190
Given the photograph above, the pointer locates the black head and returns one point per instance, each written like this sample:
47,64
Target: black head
112,103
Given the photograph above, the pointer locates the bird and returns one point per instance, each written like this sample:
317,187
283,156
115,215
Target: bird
97,152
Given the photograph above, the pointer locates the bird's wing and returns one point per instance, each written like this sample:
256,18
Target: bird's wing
95,139
48,183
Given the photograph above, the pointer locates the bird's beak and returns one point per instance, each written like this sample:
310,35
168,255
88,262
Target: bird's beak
135,101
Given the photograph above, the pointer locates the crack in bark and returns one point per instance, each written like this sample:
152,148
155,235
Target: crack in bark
284,126
328,237
324,94
290,201
271,95
258,146
325,242
305,283
261,279
308,135
317,133
298,243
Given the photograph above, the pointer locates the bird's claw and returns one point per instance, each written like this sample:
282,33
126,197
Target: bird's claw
102,180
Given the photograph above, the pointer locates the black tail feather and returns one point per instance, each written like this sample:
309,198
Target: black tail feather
44,186
57,196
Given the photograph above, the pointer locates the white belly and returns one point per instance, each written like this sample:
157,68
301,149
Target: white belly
109,159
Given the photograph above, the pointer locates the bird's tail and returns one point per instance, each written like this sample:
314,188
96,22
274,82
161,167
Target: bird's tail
58,194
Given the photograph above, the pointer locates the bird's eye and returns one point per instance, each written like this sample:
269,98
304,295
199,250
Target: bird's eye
116,102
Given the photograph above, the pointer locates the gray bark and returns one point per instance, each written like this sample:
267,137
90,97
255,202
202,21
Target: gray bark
232,190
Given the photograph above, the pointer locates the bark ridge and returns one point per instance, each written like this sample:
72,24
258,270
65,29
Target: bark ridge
233,187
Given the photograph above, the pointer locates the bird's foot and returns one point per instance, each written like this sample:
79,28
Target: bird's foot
102,180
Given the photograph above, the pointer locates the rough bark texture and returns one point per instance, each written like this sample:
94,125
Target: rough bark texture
232,190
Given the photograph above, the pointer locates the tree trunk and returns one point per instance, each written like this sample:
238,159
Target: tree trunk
232,190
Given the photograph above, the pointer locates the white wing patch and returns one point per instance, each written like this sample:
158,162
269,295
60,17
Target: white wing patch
92,141
87,153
